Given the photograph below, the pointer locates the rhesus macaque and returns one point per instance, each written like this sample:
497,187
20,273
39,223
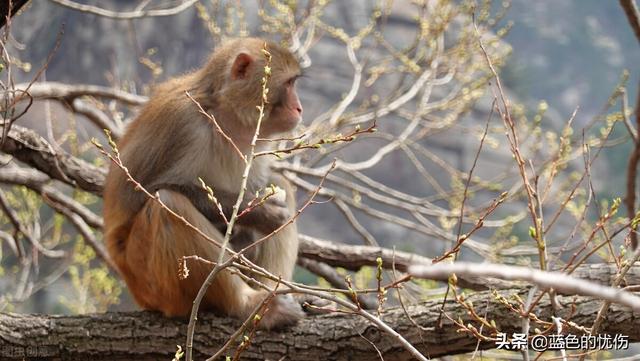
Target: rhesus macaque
168,147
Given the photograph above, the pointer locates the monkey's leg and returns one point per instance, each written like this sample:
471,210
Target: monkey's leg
158,240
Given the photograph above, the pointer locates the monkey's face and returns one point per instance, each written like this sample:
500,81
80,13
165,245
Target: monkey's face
243,87
286,111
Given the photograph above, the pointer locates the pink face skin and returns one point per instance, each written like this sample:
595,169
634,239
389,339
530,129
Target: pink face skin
286,113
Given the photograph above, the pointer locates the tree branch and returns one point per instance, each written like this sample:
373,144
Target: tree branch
354,257
128,15
560,282
39,182
56,90
29,147
633,15
112,336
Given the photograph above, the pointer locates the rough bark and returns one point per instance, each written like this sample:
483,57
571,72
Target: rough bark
149,336
31,148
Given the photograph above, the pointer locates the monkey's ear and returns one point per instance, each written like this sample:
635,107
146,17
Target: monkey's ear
240,67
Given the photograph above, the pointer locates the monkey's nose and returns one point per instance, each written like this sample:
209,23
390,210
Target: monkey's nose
299,109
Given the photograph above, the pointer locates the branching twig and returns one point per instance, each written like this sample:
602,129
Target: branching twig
130,15
558,281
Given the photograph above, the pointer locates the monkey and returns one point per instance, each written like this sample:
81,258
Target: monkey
167,147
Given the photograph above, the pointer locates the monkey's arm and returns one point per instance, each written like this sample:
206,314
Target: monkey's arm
264,218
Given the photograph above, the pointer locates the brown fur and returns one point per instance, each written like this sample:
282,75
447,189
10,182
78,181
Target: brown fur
171,144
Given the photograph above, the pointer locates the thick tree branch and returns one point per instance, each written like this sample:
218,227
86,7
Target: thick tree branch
149,336
29,147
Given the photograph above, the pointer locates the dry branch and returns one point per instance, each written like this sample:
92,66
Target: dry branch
40,183
354,257
127,15
56,91
31,148
560,282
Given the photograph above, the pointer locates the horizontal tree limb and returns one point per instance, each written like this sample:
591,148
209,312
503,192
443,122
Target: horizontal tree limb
353,257
56,90
149,336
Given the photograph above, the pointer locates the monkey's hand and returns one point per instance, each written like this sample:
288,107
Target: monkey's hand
283,310
314,305
267,217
